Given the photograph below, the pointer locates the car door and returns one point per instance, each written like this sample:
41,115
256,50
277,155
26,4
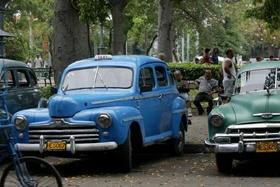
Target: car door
24,88
149,103
165,90
34,89
12,100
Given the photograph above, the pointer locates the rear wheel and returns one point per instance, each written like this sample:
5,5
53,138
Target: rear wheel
178,144
30,171
224,162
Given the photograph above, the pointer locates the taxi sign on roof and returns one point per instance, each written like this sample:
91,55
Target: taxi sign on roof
103,57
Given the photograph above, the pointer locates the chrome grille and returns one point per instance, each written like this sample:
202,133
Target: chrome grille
254,132
81,133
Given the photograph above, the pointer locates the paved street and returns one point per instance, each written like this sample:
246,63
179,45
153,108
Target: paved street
156,167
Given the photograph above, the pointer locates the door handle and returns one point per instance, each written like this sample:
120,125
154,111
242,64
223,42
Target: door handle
160,96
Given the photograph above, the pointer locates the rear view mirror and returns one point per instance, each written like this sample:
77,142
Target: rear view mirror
54,90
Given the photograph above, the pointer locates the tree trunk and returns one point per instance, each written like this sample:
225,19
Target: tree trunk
165,28
70,42
117,7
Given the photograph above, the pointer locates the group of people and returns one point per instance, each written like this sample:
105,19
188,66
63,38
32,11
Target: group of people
38,62
271,58
209,57
207,85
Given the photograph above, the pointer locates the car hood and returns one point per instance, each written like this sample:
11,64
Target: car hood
62,106
256,107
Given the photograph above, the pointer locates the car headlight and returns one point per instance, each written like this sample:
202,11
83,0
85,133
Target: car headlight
217,120
20,123
104,120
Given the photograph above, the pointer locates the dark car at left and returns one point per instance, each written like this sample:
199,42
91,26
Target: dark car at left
20,83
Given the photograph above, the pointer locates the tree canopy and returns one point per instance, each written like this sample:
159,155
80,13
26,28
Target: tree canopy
120,26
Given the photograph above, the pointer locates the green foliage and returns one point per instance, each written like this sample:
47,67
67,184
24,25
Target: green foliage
46,92
194,71
35,14
268,11
93,11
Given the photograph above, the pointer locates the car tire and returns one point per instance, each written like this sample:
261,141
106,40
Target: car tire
224,163
124,155
178,144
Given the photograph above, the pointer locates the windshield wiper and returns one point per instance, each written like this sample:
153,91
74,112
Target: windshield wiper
101,79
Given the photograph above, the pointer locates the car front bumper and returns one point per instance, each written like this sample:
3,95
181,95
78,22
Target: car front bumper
245,138
240,147
70,147
231,147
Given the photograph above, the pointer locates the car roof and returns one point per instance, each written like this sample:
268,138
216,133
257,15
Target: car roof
119,60
260,65
11,63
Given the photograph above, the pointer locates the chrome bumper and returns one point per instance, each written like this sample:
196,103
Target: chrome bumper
241,147
244,142
71,147
231,147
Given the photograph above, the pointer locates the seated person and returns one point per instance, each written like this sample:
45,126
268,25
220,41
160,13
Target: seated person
183,89
206,87
181,84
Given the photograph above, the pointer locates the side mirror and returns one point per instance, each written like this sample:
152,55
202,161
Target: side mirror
146,88
54,90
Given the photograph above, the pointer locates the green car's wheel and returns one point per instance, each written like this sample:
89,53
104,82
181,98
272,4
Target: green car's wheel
224,162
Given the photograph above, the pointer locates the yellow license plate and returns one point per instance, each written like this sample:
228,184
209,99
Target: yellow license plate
56,146
266,147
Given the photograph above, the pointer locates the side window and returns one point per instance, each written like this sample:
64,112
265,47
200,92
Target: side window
146,82
23,80
33,80
161,76
171,79
10,78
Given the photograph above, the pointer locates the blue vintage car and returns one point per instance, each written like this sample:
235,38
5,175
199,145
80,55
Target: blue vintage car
107,103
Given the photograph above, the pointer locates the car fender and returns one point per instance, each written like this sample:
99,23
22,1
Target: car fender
36,115
122,118
179,111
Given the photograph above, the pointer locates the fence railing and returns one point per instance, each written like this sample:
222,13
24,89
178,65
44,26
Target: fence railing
44,75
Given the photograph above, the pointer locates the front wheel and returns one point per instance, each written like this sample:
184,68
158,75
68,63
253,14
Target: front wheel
124,155
30,172
224,162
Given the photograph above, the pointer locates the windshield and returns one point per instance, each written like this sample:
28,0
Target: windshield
257,80
98,77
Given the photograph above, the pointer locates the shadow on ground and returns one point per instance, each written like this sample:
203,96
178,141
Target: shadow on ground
267,166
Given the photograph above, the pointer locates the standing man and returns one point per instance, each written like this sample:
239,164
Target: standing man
229,73
206,87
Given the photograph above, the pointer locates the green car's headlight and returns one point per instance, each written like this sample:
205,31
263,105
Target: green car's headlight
217,120
104,120
20,123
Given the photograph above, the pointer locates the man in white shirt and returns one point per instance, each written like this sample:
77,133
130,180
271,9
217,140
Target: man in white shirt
229,73
206,87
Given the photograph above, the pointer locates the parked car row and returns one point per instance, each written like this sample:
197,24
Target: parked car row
117,104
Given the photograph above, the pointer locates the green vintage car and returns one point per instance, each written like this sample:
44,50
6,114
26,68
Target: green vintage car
249,124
